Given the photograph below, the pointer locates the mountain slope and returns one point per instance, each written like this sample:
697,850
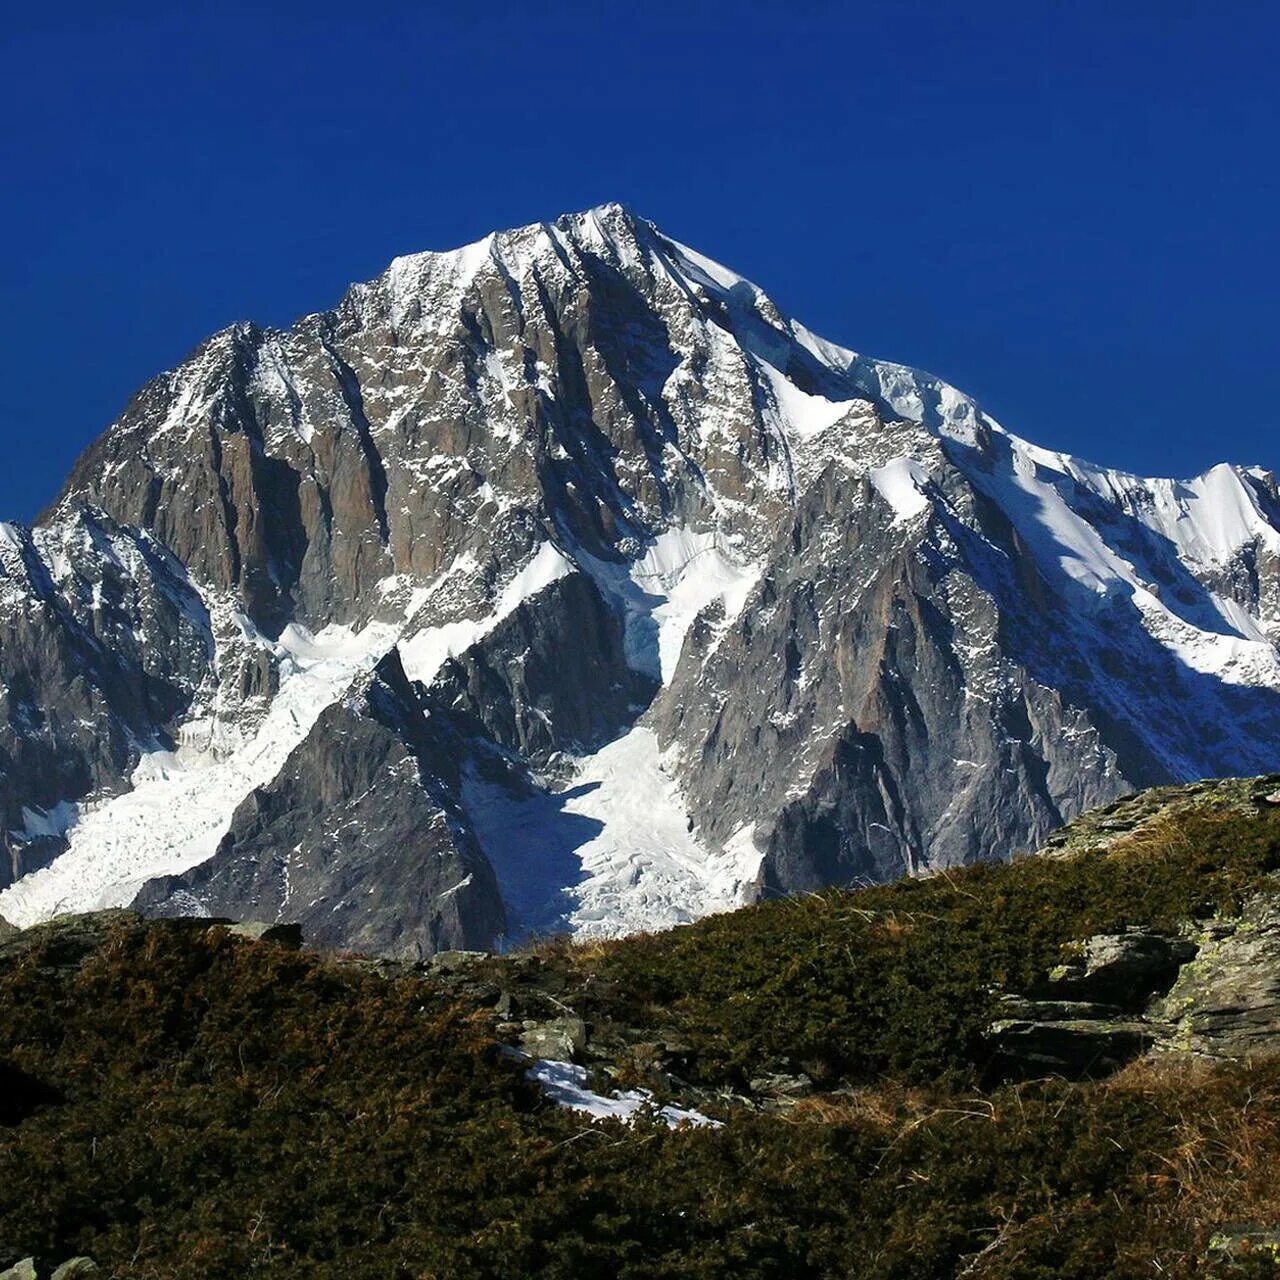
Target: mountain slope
609,505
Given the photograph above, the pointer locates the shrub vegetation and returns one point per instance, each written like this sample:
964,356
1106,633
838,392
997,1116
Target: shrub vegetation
212,1107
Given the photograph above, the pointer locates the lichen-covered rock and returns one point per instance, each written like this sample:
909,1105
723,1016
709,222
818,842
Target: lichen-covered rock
1076,1049
74,1268
1093,1014
562,1039
1226,1004
1124,970
1252,1250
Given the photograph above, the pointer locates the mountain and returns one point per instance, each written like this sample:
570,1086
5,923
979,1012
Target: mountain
562,581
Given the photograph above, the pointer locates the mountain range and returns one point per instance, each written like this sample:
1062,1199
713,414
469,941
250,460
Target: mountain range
562,582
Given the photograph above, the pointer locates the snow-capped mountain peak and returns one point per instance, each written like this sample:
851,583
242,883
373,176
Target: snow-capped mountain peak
651,600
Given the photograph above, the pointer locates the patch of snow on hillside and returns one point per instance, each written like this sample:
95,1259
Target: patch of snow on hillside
688,570
902,483
1243,660
566,1085
426,652
661,592
182,802
804,417
1048,496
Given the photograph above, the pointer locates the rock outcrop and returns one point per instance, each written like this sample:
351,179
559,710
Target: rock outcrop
1213,993
359,840
1226,1004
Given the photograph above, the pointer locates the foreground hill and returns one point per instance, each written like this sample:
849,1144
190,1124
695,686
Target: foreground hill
563,582
1062,1067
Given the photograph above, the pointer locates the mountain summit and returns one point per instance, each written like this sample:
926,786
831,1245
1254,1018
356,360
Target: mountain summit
562,581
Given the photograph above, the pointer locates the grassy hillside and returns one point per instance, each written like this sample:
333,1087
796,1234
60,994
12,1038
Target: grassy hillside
184,1103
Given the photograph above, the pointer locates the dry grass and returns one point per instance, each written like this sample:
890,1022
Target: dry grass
1219,1165
1163,836
886,1107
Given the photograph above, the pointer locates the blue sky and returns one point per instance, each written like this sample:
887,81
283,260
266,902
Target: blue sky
1068,210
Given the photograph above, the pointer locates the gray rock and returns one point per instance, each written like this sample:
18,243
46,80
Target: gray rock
552,677
1216,995
782,1085
284,935
1076,1049
399,873
1226,1004
1091,1015
1124,970
24,1270
1232,1247
76,1267
561,1039
456,961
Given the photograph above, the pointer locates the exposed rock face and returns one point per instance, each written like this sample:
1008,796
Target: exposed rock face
104,644
552,677
1213,993
1120,969
809,617
1090,1015
1227,1004
363,809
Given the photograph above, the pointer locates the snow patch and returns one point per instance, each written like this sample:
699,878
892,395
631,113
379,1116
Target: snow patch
902,484
681,572
426,652
566,1085
613,852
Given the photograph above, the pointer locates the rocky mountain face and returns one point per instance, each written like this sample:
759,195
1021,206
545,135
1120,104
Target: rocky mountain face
562,581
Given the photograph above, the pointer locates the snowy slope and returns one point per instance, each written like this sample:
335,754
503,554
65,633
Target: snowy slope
610,851
181,802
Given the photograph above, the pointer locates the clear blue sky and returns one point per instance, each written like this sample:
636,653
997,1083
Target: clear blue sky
1069,210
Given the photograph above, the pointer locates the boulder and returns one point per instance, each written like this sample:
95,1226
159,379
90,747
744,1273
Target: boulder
561,1039
24,1270
1077,1049
74,1268
1238,1250
782,1086
452,962
284,935
1121,969
1226,1004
